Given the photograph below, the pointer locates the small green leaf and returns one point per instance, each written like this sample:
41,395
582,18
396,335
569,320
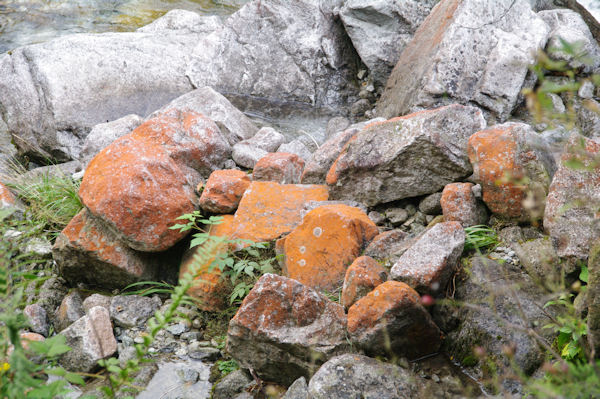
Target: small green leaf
584,275
59,349
74,379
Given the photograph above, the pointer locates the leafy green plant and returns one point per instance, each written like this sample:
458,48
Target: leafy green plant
571,330
227,366
480,236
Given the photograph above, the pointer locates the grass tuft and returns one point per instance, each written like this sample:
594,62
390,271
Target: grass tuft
480,236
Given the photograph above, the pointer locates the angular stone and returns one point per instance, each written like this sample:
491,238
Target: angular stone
430,262
284,330
129,311
380,30
267,139
514,167
299,147
301,45
38,319
571,217
281,167
246,155
391,320
224,190
69,311
233,124
298,390
87,253
232,384
318,252
363,275
384,245
405,157
321,160
268,209
91,339
466,51
430,205
96,300
459,204
103,134
540,260
210,288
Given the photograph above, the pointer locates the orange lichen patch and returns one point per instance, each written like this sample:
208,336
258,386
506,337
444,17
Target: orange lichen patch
318,252
334,174
282,167
363,275
139,191
457,201
7,199
268,209
493,153
86,252
224,190
209,287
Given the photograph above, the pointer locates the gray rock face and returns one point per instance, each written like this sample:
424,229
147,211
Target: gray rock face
430,205
70,84
428,264
103,134
246,155
305,51
7,149
38,318
298,147
466,51
96,300
132,310
540,260
234,125
406,157
356,376
91,338
285,330
570,215
298,390
380,29
512,291
232,384
247,152
183,22
69,311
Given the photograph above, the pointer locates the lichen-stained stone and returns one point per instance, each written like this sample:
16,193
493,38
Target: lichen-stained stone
281,167
210,288
318,252
268,209
363,275
285,330
321,160
405,157
85,252
224,190
459,204
572,218
428,264
514,168
391,320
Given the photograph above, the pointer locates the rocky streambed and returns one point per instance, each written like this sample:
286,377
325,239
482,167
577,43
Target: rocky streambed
362,141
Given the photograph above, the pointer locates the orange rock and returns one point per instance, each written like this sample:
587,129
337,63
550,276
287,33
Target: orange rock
510,171
318,252
391,320
7,199
460,205
27,337
363,275
138,191
87,253
282,167
268,209
224,190
212,290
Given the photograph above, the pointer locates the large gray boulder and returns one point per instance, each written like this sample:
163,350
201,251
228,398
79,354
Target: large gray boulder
466,51
380,29
278,51
53,93
406,157
183,22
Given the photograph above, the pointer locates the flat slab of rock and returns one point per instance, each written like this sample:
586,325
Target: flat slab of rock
571,215
405,157
391,320
432,259
285,330
85,252
268,209
318,251
466,51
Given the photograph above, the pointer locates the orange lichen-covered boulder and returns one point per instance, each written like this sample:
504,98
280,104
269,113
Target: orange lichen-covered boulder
363,275
209,287
391,320
138,191
282,167
318,252
513,170
459,204
224,190
428,263
268,209
285,330
85,252
7,199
